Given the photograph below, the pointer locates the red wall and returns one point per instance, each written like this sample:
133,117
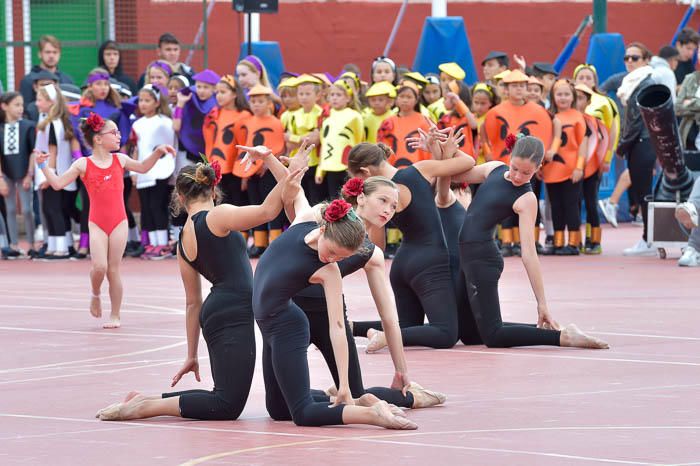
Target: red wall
324,36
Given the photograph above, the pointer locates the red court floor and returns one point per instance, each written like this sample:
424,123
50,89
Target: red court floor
635,404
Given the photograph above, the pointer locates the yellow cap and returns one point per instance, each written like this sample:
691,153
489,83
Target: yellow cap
501,75
516,76
409,84
381,88
308,79
417,77
289,82
454,70
259,89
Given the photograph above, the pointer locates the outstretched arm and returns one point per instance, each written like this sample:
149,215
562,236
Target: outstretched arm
59,182
143,166
193,297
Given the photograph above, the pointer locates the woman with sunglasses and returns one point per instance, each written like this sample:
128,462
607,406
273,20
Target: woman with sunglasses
634,140
102,174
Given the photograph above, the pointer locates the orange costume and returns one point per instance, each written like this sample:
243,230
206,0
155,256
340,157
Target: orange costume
507,118
457,118
395,131
566,160
258,131
218,131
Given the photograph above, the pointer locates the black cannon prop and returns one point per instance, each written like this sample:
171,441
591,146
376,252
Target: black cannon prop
676,181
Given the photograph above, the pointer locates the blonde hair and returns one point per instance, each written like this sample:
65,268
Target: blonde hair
58,111
113,97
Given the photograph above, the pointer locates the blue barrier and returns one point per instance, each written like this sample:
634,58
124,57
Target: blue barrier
606,52
271,56
445,40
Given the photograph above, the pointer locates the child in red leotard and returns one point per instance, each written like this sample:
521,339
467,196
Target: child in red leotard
103,176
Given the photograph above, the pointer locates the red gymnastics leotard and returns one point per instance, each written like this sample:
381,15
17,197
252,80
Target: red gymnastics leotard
105,187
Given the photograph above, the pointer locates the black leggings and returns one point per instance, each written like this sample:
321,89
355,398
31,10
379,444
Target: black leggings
482,266
52,207
317,313
127,194
641,162
85,209
422,284
315,193
536,184
590,197
230,337
565,200
286,371
154,206
258,189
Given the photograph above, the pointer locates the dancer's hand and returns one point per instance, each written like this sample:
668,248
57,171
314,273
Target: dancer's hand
545,319
344,397
301,158
190,365
577,175
450,146
291,186
401,382
253,153
166,149
40,157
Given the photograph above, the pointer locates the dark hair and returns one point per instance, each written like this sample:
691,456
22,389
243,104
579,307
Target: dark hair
491,93
369,186
646,53
87,131
688,35
49,39
163,108
416,107
465,94
530,148
6,98
367,154
667,52
240,101
167,38
348,232
194,182
109,45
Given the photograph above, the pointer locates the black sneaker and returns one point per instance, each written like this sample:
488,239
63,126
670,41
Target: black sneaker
507,250
33,254
539,248
71,250
390,251
78,256
136,249
10,254
566,251
517,250
55,257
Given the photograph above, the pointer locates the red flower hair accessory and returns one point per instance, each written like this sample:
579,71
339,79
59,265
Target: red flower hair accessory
95,122
336,210
217,172
510,142
353,187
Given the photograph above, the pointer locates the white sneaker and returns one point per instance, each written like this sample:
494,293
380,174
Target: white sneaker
642,248
609,211
690,258
39,233
687,214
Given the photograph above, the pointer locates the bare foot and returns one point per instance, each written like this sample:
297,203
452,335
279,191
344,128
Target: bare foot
95,306
130,396
423,398
388,420
572,336
108,411
377,341
332,391
113,323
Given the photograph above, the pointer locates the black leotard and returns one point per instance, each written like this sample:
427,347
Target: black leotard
226,319
283,271
420,273
482,265
452,219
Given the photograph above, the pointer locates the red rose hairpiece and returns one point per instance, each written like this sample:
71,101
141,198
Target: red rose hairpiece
95,122
336,210
353,187
217,172
510,142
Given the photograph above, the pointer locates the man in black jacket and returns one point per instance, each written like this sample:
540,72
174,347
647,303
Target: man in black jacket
49,56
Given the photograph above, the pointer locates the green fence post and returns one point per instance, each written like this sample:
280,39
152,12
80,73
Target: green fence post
600,16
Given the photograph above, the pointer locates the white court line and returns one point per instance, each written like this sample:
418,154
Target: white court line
173,426
91,372
641,335
81,298
580,358
101,358
73,309
555,395
54,434
101,333
504,450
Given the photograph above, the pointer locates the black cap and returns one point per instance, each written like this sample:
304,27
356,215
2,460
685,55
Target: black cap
493,55
70,91
667,52
45,75
544,68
